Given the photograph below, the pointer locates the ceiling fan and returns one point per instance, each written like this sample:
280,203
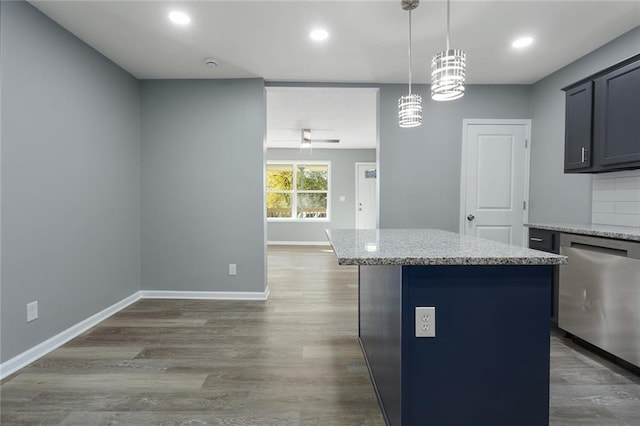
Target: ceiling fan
306,140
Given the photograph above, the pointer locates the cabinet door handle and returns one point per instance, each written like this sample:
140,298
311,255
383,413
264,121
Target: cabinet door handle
537,240
585,155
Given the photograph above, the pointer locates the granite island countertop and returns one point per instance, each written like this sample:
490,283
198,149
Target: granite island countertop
607,231
429,247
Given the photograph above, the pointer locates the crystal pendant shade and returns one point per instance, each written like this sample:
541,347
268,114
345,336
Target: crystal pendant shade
410,110
448,75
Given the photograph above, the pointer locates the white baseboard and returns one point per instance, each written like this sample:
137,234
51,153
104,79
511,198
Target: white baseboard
207,295
298,243
27,357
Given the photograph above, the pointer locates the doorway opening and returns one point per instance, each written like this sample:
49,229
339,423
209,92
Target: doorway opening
315,138
366,201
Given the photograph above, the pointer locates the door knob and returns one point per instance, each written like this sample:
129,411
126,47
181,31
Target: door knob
360,209
470,217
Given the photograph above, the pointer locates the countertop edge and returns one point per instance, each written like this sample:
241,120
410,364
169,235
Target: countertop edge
346,257
585,230
453,261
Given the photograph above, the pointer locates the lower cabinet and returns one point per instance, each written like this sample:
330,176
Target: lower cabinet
549,241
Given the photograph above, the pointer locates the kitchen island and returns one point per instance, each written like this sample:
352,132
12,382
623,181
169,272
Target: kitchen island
488,363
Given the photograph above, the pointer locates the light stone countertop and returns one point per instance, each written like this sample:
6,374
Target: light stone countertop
607,231
429,247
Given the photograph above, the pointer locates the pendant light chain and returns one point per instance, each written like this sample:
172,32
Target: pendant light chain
448,22
409,51
410,106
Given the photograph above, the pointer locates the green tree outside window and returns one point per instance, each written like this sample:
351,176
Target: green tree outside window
306,200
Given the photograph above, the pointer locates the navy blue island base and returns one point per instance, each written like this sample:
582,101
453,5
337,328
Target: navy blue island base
489,362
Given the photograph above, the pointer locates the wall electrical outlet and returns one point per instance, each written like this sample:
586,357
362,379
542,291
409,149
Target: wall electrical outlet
232,269
425,321
32,311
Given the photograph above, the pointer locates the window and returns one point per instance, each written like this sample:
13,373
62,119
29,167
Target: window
298,191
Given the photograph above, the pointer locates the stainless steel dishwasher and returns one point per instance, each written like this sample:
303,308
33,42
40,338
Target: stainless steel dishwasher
599,293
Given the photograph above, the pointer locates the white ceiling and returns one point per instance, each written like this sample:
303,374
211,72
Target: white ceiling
348,114
367,44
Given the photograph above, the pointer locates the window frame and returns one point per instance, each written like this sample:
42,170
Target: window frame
294,191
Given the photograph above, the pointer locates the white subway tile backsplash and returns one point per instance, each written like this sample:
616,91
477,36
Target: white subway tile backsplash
627,195
603,218
626,207
616,199
628,220
616,219
603,184
604,195
628,183
603,207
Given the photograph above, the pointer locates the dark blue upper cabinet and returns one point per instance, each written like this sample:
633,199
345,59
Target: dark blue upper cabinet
578,128
617,126
602,121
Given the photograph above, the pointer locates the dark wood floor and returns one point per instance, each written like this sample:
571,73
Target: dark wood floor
293,360
587,390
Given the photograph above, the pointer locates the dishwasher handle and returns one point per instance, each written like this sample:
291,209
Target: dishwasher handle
598,249
601,245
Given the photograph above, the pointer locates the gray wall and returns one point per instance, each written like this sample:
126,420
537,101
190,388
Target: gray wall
419,168
343,181
558,197
202,184
70,179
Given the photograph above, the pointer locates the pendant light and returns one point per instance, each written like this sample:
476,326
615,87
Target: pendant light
448,70
410,106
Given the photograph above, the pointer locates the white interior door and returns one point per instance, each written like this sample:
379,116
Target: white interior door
366,200
495,179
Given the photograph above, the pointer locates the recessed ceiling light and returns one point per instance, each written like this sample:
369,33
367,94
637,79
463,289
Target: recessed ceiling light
319,34
522,42
179,18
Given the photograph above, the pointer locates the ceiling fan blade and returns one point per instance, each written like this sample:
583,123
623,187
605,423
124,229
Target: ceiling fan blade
306,139
297,128
325,140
